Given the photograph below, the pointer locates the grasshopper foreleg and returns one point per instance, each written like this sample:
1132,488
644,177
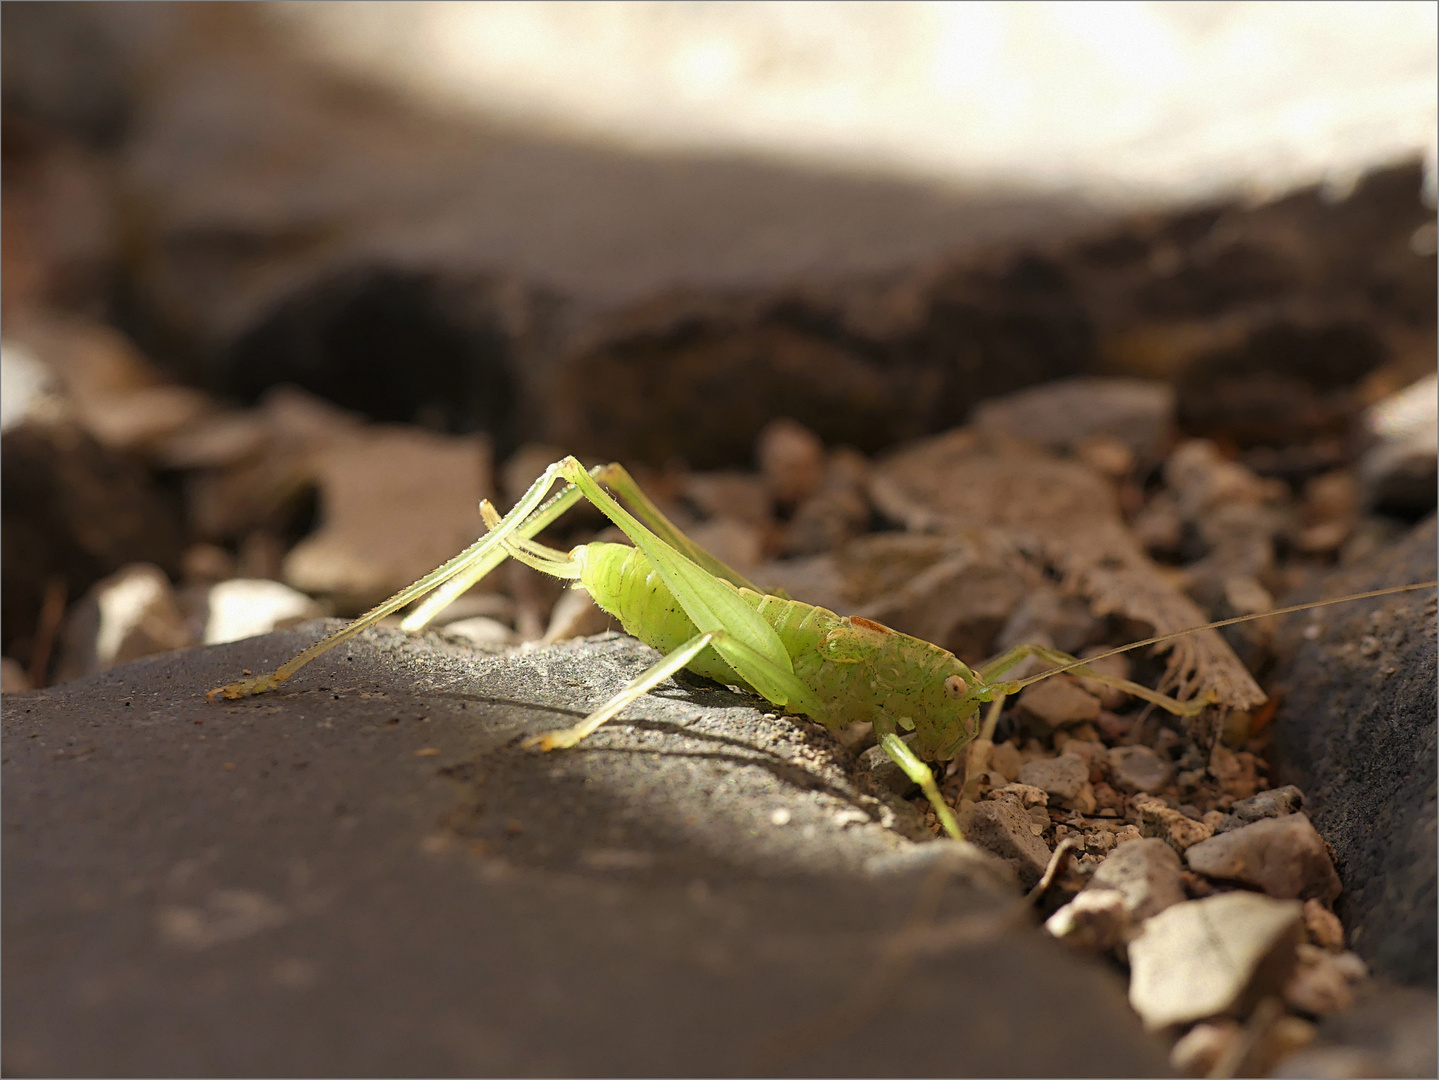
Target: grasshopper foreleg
740,656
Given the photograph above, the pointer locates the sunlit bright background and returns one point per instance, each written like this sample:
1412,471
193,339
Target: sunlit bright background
1169,99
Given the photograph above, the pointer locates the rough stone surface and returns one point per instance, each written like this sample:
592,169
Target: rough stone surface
1267,804
1211,957
1146,873
1158,818
1001,827
1063,777
1356,731
362,873
1283,856
1138,768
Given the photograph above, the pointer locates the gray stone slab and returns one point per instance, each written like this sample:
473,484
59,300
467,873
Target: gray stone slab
1356,732
362,874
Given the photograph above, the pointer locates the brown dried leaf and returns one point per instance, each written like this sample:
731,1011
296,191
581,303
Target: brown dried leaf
1068,516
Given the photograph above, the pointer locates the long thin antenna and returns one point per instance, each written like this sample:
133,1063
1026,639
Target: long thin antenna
1227,622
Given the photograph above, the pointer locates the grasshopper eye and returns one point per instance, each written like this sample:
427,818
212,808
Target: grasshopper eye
955,687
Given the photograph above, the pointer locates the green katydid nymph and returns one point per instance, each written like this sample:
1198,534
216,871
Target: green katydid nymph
673,595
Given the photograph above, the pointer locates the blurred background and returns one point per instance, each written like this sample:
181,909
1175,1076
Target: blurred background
288,288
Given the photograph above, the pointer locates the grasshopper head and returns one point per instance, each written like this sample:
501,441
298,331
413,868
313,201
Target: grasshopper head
947,718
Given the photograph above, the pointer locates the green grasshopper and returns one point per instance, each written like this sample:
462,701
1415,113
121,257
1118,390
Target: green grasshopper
673,595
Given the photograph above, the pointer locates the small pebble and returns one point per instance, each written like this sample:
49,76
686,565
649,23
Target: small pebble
1138,768
1322,925
1063,777
1145,874
1059,701
1158,818
1236,770
1283,856
1318,986
1094,920
1005,758
792,459
1027,794
1267,804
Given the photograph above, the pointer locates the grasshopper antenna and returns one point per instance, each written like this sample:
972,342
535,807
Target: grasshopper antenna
1227,622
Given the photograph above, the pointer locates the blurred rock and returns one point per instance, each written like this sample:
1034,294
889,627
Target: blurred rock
394,504
1323,981
1283,856
733,495
1046,616
1288,382
1348,673
73,512
60,232
738,544
132,613
117,395
1397,474
481,631
12,677
1329,1062
791,459
397,345
575,615
1063,414
1116,667
1197,1051
1138,768
1212,957
868,363
241,608
1237,771
1025,795
206,564
1093,921
1004,758
837,511
1146,876
957,858
1395,1024
1322,925
1269,1041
